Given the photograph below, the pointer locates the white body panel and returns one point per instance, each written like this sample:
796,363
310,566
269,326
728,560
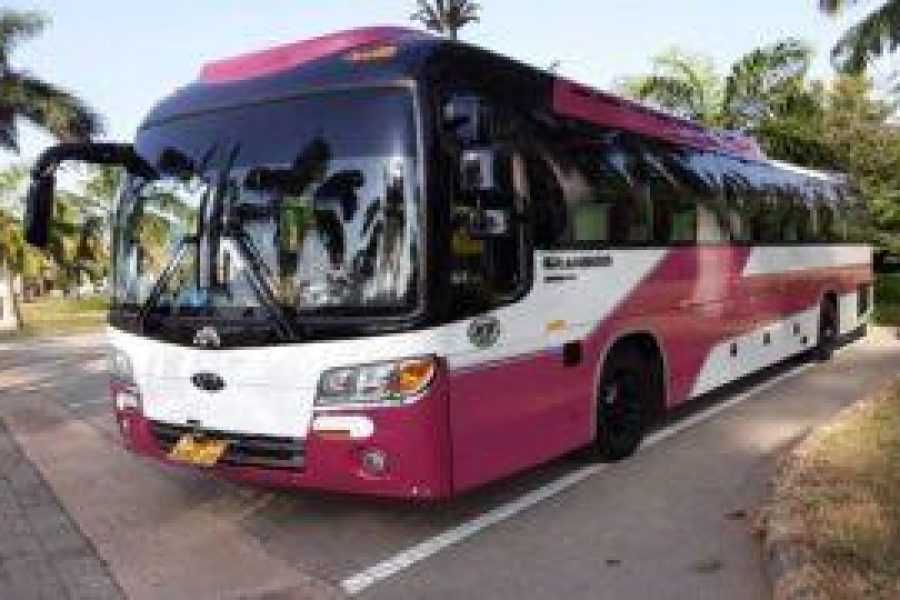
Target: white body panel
271,390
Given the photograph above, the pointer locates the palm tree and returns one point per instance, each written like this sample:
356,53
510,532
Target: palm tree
869,38
11,243
684,84
447,17
23,95
760,85
765,94
765,83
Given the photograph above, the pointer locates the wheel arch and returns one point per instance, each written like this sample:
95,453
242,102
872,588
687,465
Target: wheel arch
649,344
830,294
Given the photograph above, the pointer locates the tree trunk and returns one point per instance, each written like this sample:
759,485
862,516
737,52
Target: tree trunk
17,307
11,286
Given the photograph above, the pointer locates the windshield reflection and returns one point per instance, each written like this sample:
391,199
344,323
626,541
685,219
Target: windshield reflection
328,230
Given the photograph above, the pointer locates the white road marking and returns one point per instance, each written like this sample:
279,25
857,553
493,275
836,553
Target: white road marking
359,582
405,559
95,402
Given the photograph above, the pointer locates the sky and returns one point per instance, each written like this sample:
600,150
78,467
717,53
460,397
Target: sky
121,57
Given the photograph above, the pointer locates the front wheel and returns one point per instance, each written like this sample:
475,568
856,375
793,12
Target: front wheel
623,398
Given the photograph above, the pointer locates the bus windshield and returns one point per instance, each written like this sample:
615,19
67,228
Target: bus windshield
305,207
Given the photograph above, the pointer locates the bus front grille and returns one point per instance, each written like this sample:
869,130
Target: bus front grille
243,450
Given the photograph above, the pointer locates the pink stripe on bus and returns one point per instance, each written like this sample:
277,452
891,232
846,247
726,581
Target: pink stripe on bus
289,56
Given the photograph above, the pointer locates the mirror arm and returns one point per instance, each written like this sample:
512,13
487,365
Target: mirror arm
97,153
39,203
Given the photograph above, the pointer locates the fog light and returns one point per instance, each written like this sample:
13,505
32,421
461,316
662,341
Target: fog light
128,399
374,462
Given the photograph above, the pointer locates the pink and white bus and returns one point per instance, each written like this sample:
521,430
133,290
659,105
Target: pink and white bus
380,262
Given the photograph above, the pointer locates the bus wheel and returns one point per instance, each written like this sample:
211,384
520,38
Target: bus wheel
623,397
828,328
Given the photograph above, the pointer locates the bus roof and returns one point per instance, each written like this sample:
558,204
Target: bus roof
568,98
294,55
826,176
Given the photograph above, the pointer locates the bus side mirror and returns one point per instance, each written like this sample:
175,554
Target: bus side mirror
39,209
39,202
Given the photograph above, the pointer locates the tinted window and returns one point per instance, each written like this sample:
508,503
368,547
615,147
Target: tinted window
798,226
828,224
310,204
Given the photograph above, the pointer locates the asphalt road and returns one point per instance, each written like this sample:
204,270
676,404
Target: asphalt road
672,522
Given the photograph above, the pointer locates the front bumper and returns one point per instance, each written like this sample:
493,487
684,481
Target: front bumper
414,439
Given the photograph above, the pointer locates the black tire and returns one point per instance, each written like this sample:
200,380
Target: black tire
829,320
623,402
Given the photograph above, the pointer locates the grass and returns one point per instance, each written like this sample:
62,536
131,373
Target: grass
887,299
838,494
61,316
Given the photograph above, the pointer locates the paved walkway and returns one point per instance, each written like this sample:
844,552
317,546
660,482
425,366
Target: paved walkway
42,553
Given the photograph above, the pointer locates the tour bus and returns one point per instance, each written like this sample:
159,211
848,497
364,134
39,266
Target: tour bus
381,262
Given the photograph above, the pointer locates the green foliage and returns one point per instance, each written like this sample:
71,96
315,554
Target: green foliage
684,84
866,146
23,95
446,17
869,39
840,127
767,83
765,94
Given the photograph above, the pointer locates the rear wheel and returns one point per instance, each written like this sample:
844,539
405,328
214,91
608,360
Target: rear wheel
829,320
623,399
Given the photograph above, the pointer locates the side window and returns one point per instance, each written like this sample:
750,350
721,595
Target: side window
485,272
858,222
739,210
710,228
797,218
802,220
768,218
841,223
828,224
633,218
549,208
676,216
487,187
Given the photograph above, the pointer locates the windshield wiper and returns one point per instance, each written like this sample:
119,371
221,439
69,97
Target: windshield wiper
259,277
261,285
163,281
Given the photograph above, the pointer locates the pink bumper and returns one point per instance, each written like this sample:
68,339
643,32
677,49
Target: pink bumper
415,440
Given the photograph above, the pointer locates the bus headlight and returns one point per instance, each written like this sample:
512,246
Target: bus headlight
126,394
393,383
121,369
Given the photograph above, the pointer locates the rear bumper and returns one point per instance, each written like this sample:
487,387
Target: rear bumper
414,439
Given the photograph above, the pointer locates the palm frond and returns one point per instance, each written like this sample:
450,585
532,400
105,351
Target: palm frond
670,93
428,16
869,39
446,16
762,79
61,113
681,83
16,27
833,7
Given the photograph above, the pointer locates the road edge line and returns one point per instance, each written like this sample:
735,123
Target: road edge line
401,561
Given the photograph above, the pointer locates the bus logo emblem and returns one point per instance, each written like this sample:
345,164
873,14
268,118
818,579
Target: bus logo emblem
208,382
207,337
484,332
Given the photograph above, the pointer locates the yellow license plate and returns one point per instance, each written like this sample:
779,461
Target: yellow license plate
203,453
